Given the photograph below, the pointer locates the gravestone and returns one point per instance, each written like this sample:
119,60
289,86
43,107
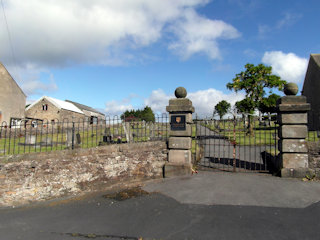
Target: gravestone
30,139
107,137
73,139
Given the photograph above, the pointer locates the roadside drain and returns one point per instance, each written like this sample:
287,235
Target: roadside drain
127,194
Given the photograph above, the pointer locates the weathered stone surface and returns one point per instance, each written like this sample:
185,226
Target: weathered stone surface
294,131
297,172
294,160
179,156
291,89
41,176
180,102
293,118
188,117
180,92
293,146
304,107
292,100
186,133
173,170
174,108
179,143
314,155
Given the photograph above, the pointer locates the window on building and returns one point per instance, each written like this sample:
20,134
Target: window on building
93,120
44,107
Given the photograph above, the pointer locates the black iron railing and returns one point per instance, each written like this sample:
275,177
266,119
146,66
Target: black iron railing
42,136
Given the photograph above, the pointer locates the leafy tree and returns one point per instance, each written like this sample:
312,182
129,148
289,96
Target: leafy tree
253,81
245,106
147,114
222,108
135,115
268,104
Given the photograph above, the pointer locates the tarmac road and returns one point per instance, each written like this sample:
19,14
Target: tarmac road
208,205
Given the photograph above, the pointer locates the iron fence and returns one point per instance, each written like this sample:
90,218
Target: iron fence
237,144
43,136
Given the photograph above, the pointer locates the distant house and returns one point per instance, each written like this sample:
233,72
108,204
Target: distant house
91,114
311,89
55,110
12,99
52,110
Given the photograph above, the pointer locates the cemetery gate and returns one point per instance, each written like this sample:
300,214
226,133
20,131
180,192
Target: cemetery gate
236,145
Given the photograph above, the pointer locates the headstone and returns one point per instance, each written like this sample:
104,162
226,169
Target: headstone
72,141
46,141
30,139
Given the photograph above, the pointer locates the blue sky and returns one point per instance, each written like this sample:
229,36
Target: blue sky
118,55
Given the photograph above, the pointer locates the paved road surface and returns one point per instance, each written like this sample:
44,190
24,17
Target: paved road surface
208,205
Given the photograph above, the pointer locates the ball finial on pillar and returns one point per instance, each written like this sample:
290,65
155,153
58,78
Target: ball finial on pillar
180,92
291,89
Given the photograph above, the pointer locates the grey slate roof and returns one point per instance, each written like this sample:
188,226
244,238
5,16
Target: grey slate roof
84,107
316,58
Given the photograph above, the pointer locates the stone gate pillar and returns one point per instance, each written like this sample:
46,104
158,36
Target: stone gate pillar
293,131
180,114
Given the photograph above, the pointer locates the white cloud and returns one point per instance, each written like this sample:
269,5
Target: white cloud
288,66
28,79
59,33
114,108
288,20
203,101
197,34
158,100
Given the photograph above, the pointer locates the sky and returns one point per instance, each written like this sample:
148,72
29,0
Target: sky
126,54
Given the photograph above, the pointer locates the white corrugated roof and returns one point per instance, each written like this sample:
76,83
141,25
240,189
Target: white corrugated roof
64,105
59,104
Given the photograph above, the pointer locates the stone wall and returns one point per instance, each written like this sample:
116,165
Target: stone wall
314,157
42,176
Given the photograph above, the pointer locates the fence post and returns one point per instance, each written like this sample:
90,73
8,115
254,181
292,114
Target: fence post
180,113
73,130
293,131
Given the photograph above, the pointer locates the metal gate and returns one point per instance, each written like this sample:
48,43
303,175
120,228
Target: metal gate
236,145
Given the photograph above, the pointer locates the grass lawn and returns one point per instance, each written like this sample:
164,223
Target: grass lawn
13,141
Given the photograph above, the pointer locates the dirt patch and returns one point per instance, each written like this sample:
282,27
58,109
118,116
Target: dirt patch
127,194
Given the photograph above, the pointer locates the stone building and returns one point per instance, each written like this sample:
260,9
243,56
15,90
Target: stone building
311,89
53,110
12,99
91,114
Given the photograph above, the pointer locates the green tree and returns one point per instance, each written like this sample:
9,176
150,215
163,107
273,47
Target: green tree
222,108
245,106
268,104
147,114
254,80
137,115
